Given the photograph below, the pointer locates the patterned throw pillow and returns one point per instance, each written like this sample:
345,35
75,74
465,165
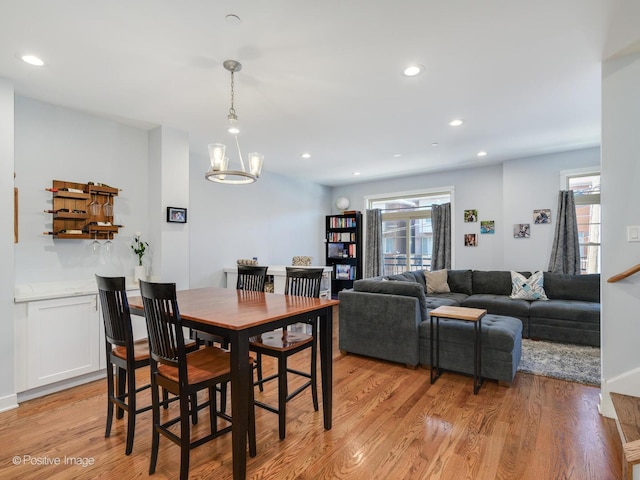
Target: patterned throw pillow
528,288
436,281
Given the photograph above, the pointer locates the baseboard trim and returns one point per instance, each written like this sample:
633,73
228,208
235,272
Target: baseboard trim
58,386
8,402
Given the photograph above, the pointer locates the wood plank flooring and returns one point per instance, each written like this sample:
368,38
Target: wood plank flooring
388,423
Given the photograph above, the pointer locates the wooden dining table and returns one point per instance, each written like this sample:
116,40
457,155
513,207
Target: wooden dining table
238,315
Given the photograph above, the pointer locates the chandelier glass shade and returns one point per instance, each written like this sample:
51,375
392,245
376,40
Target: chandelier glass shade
219,170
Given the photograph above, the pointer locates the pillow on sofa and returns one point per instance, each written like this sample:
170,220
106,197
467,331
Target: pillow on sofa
528,288
436,281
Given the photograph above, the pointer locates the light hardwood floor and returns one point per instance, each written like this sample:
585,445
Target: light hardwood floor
388,423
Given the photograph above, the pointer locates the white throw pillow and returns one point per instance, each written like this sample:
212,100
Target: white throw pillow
436,281
528,288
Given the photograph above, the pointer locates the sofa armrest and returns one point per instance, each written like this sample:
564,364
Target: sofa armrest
382,326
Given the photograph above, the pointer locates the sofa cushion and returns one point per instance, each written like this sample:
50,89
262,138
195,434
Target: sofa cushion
493,282
460,281
498,304
406,288
572,287
435,300
567,310
528,288
436,281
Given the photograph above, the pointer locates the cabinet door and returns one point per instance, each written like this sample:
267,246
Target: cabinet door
63,339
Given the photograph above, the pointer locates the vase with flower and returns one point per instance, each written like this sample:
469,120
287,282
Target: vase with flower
139,248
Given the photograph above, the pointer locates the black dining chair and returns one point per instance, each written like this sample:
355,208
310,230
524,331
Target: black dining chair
183,374
251,277
304,282
124,355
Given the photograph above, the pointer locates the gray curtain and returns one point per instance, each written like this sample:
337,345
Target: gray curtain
565,253
373,262
441,224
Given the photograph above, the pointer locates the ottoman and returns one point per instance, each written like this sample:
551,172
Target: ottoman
501,346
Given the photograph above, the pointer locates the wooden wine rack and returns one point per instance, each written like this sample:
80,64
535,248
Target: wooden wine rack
78,216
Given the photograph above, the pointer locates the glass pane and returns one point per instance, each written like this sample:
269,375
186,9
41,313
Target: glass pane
421,244
394,239
411,203
589,259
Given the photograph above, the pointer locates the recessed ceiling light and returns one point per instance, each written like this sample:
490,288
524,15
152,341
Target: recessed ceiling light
356,173
482,153
456,122
32,60
435,144
396,155
413,70
305,155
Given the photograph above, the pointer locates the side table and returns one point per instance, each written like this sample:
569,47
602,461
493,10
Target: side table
457,313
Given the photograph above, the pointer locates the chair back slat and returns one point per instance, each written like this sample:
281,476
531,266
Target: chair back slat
303,282
251,277
164,326
115,310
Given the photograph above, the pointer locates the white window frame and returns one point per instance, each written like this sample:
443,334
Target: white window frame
566,175
368,199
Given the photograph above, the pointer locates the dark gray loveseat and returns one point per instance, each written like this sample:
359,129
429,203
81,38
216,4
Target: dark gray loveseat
381,316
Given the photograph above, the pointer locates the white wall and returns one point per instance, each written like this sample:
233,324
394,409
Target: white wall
169,187
506,193
7,378
273,219
54,143
530,184
620,179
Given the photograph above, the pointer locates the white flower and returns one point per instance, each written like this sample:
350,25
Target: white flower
138,234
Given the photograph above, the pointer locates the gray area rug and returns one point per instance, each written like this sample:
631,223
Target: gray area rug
576,363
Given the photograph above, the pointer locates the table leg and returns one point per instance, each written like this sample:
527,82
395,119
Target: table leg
240,385
477,351
434,361
326,364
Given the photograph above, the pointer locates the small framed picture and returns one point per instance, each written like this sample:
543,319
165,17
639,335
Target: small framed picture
470,216
521,230
542,216
176,215
487,226
470,240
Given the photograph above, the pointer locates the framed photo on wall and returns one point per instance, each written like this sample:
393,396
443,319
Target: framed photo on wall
542,216
176,215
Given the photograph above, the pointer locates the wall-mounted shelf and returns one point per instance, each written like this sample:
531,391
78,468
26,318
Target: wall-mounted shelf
81,210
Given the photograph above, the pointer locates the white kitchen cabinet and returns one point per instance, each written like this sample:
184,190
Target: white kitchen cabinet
61,340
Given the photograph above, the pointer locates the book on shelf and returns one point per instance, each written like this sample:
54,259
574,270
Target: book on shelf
345,272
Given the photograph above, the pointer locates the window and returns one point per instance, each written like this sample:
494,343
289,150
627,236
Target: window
407,236
586,192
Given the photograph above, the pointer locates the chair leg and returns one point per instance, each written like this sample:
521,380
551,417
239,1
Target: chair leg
110,389
259,371
213,416
194,408
155,434
282,396
185,435
131,413
165,399
223,397
121,380
314,375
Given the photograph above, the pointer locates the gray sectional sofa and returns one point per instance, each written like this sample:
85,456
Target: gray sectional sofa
388,317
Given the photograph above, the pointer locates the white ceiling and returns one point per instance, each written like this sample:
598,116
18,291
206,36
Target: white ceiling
325,76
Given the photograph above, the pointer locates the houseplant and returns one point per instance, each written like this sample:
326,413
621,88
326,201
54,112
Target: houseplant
139,248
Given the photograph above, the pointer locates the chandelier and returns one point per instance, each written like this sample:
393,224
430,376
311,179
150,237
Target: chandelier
220,171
